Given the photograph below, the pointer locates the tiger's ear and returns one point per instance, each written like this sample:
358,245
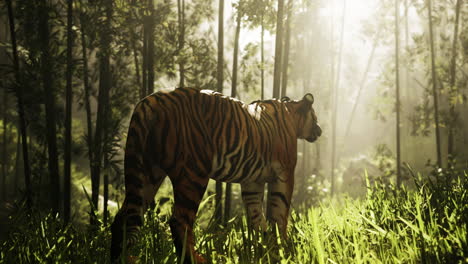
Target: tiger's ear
308,98
306,103
285,99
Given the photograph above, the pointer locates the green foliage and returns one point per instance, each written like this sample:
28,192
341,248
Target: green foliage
427,224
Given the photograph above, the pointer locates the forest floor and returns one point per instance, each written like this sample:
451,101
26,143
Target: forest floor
427,224
5,211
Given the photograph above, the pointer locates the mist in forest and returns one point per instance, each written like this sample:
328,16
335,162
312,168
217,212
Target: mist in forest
389,80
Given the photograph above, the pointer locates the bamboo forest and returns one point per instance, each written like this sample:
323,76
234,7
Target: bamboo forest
237,131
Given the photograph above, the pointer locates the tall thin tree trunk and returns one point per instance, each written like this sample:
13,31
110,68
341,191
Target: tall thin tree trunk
87,89
181,17
137,64
278,50
236,54
397,86
17,162
103,104
68,115
150,71
409,145
144,53
220,79
4,143
106,188
332,81
453,65
262,59
284,78
49,92
335,102
407,74
133,40
434,85
19,96
134,37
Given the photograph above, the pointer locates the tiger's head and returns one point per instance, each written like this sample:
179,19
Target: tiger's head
305,118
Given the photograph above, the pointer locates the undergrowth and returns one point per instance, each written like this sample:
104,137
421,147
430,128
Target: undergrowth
427,224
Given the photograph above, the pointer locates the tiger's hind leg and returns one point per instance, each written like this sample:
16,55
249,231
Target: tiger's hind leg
189,189
129,219
279,202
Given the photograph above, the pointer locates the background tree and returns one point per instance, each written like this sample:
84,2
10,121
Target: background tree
453,66
278,50
285,66
49,91
4,144
397,86
336,86
103,102
19,96
181,20
68,115
435,94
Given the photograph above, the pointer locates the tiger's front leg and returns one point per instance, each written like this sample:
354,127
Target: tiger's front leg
279,201
252,196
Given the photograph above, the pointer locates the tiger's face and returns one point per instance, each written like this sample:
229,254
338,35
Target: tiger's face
311,130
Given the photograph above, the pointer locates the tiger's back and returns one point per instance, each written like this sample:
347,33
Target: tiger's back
220,137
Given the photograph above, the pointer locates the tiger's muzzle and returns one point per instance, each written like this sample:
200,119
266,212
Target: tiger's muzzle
316,134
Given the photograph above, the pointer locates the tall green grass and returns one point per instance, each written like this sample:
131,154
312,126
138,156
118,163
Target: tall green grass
427,224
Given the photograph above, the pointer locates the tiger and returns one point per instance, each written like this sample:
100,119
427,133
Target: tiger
194,135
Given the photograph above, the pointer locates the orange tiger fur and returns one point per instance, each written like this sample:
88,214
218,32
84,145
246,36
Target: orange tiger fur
192,136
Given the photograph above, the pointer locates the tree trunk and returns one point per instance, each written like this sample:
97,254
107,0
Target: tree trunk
135,58
49,93
262,60
106,188
453,64
409,145
17,163
220,78
68,115
150,54
332,83
87,89
4,144
103,104
434,85
145,58
284,78
397,86
181,17
19,96
335,103
278,50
